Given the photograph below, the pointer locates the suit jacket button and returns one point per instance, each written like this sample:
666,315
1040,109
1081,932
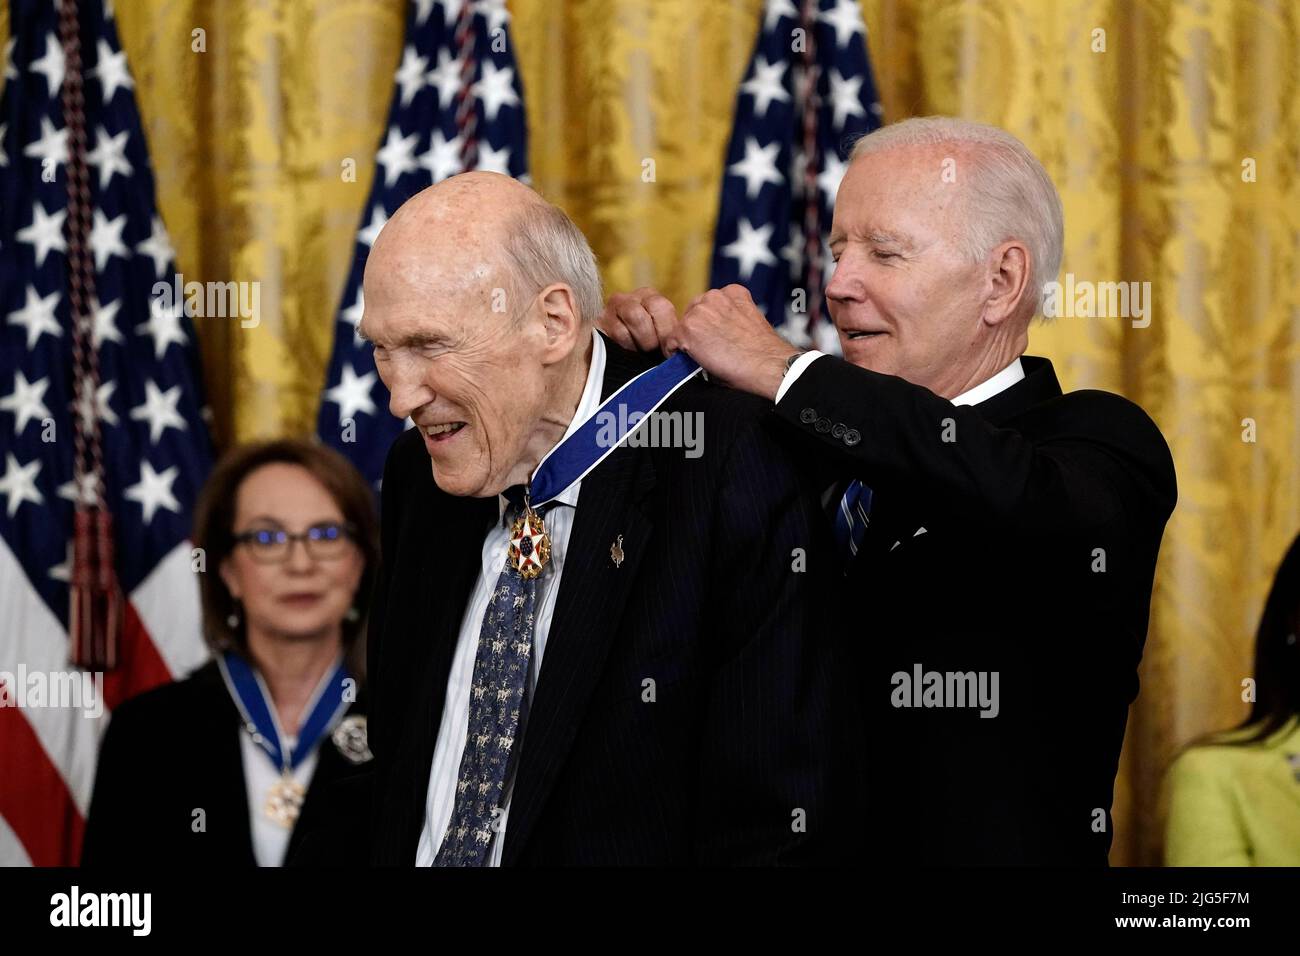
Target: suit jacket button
823,425
851,437
838,430
808,416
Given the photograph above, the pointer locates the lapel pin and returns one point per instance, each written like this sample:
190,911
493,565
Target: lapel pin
616,552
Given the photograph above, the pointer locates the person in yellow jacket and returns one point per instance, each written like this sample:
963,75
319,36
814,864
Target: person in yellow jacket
1235,796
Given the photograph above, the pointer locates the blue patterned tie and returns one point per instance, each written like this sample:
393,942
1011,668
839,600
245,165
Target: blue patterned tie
852,518
497,700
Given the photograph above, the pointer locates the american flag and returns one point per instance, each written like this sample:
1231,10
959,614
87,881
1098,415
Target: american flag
155,444
458,105
806,97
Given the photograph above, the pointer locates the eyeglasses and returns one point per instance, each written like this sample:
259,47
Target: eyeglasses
324,542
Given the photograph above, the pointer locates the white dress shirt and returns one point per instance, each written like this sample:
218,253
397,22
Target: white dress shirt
441,799
985,390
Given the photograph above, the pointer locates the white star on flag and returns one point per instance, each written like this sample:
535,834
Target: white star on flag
45,234
104,319
37,316
352,394
828,180
51,147
154,491
111,71
106,239
26,401
495,88
51,66
445,77
494,11
845,97
493,160
776,9
443,156
767,84
758,166
109,155
354,312
159,410
63,572
19,483
101,408
750,247
410,75
846,18
422,10
84,489
164,325
397,155
378,219
158,246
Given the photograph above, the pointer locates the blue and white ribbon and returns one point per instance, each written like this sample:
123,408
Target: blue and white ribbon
592,442
251,696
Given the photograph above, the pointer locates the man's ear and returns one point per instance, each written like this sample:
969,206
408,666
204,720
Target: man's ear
563,324
1010,287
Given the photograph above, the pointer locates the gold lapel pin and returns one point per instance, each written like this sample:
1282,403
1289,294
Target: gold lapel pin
616,552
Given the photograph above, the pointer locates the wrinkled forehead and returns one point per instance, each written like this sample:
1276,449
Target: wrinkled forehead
906,189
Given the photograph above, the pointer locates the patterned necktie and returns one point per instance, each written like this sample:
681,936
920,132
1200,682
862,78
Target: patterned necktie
852,518
497,699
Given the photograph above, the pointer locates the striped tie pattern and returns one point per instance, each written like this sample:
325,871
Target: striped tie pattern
851,519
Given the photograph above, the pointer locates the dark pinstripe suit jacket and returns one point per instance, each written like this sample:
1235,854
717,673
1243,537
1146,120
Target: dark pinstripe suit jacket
736,760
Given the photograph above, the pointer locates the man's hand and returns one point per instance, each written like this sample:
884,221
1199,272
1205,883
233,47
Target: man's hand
724,331
639,320
721,329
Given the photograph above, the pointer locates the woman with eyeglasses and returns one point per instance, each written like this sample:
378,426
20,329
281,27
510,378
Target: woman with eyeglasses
232,765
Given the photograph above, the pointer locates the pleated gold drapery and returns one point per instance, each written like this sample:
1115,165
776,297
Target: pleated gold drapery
1146,114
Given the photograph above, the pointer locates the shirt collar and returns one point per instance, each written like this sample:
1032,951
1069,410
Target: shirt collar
588,405
1009,376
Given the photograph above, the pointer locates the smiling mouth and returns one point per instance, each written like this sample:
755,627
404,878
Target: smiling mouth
863,335
444,430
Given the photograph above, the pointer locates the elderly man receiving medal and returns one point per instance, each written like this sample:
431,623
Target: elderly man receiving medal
583,649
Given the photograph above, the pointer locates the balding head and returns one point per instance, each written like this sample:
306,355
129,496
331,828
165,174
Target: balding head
479,299
481,234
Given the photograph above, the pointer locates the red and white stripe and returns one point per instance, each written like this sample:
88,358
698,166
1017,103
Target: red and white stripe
48,754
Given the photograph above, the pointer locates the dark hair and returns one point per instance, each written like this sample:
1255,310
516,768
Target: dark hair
1277,653
1277,660
214,520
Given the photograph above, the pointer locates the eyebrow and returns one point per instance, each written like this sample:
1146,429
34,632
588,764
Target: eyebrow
267,519
875,236
414,340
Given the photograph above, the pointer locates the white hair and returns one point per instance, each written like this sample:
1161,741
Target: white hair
1010,195
545,246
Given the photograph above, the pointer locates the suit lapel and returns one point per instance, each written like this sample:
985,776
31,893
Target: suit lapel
222,729
448,570
593,594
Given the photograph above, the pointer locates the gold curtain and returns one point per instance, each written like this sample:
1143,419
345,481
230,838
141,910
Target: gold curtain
1148,114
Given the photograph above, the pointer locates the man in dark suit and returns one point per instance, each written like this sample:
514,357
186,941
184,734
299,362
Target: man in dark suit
660,692
1000,536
